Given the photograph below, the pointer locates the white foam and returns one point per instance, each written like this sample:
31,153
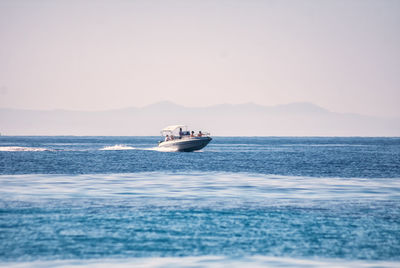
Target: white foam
117,147
125,147
21,149
204,261
162,149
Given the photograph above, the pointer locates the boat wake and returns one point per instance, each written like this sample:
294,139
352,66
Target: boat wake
22,149
119,147
162,149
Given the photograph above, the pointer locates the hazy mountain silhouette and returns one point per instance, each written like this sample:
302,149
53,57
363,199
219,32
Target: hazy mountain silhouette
248,119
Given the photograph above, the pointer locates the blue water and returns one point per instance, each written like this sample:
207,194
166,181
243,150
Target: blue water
241,201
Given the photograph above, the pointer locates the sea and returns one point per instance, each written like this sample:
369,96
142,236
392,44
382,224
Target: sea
240,202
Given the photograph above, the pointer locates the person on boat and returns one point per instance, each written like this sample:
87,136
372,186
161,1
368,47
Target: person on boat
192,135
200,134
167,138
180,133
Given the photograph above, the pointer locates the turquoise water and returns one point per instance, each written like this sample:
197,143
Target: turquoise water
279,201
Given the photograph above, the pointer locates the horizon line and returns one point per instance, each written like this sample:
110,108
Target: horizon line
220,136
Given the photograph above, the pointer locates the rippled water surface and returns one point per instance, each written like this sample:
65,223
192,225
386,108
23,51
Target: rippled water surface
294,202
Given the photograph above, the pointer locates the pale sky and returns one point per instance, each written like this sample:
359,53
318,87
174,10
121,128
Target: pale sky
98,55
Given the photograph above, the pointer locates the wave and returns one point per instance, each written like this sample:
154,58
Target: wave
205,261
22,149
237,214
210,189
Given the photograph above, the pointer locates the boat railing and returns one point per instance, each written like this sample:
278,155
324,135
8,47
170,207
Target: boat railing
206,134
176,137
203,134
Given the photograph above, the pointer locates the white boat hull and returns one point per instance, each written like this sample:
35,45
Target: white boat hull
186,144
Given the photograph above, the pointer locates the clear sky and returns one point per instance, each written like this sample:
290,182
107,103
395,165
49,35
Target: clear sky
96,55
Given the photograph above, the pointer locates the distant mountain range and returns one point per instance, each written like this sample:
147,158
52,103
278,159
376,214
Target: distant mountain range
248,119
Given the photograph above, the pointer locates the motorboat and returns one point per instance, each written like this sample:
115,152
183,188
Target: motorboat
178,138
